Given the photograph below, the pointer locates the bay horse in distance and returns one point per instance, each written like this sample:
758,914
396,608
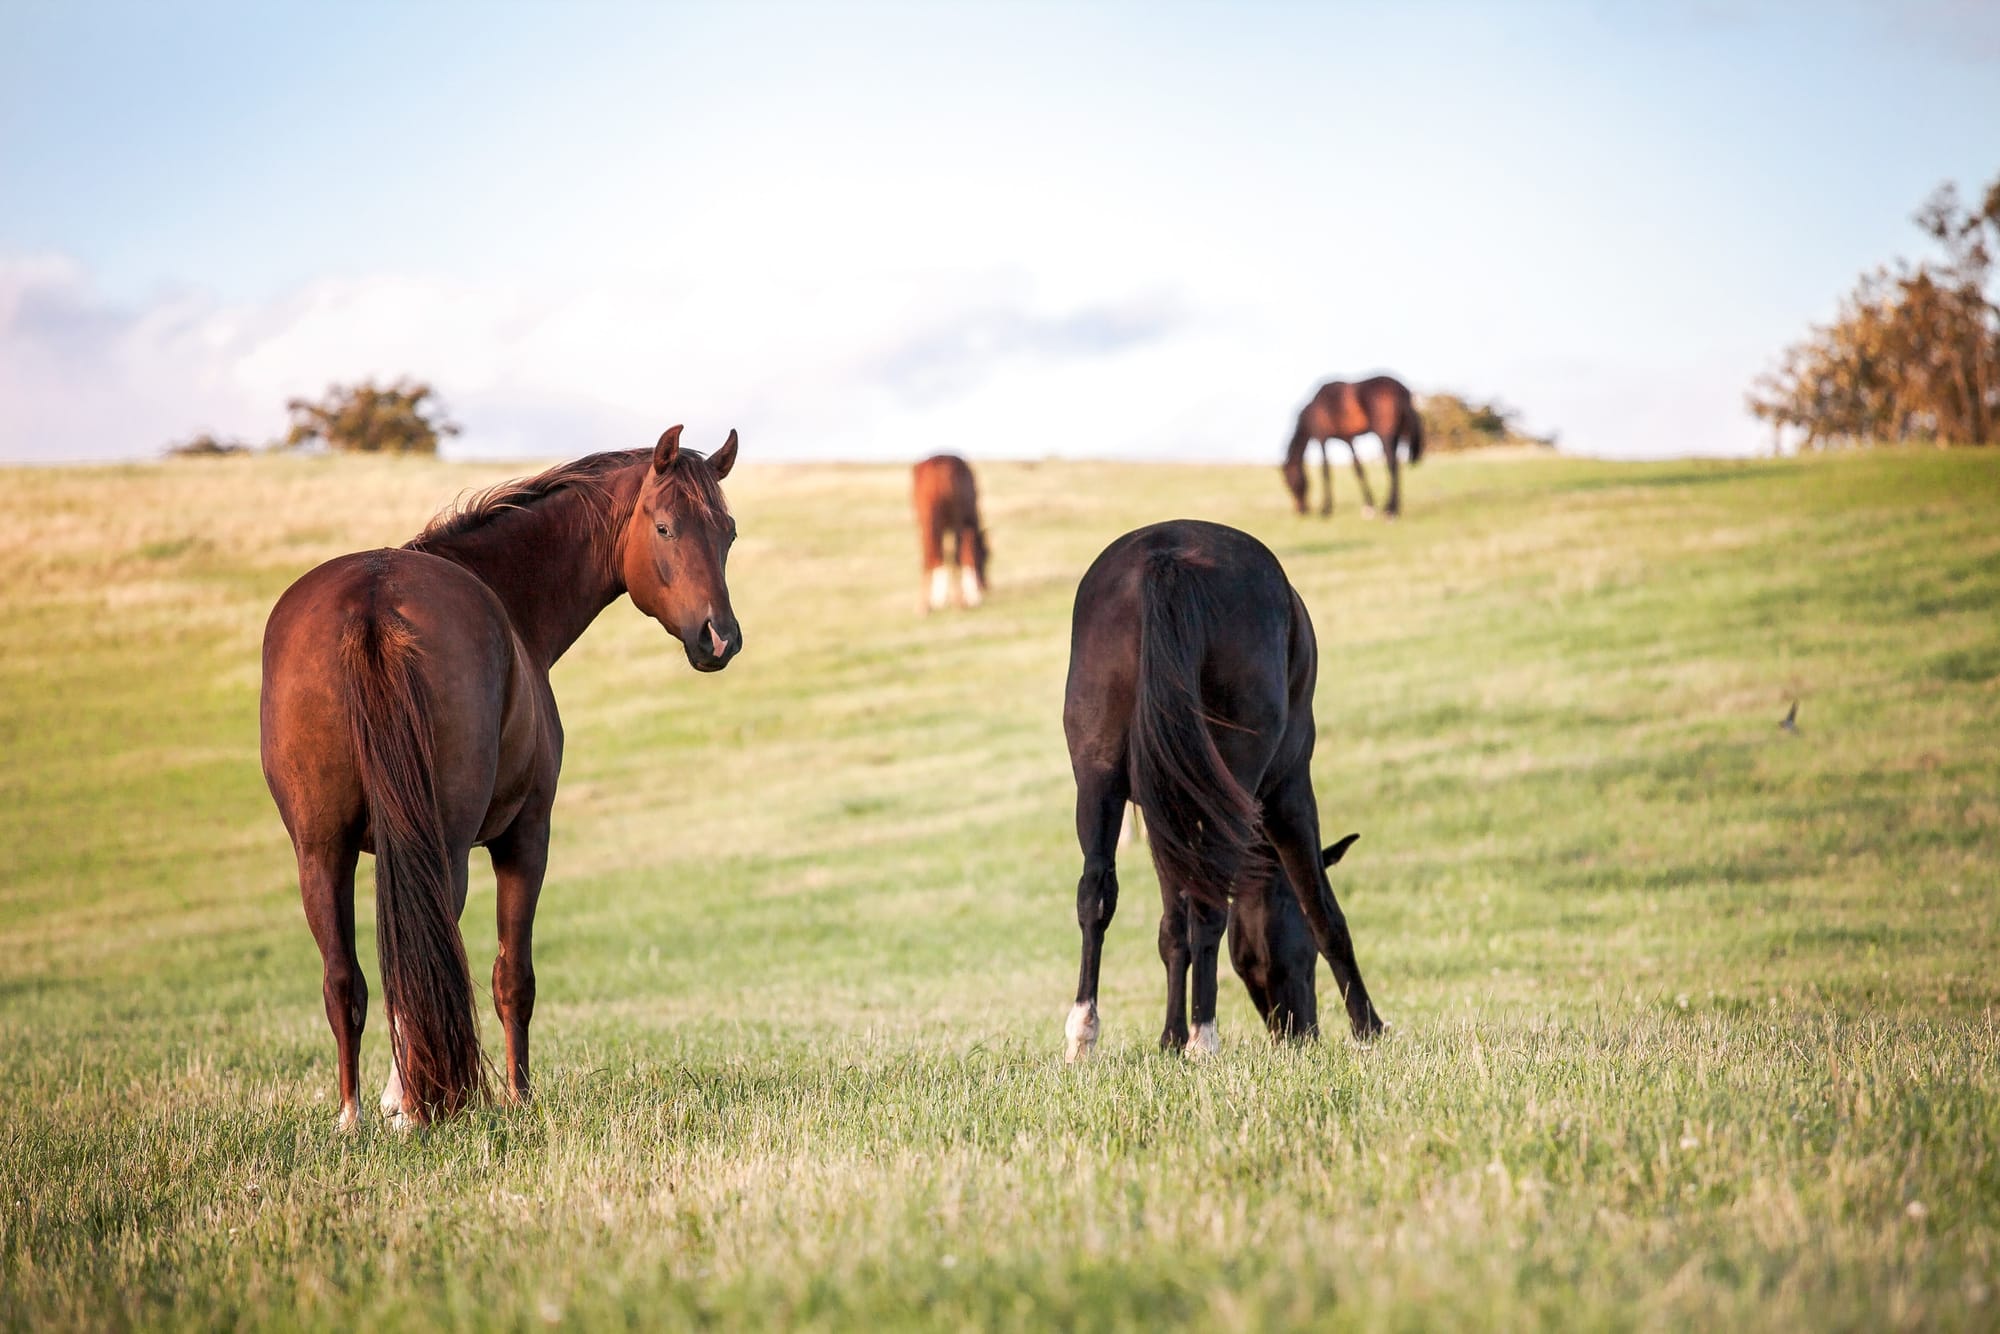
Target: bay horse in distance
1191,673
1340,411
406,712
947,504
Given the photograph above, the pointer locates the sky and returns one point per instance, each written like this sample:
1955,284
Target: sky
879,231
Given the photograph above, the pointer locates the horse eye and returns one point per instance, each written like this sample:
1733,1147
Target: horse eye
662,530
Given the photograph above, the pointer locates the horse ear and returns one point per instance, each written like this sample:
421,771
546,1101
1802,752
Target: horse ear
667,450
1337,851
722,460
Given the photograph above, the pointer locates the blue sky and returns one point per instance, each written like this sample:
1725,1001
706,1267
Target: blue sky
876,231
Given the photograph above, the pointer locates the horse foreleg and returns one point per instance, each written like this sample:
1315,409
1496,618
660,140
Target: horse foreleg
1174,957
1361,476
1326,478
326,887
1100,808
1205,925
1293,824
520,858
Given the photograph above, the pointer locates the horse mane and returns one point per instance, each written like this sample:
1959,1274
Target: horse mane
697,489
479,509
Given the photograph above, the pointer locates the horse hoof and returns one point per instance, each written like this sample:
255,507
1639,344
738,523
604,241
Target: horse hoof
350,1120
1202,1043
1080,1032
1367,511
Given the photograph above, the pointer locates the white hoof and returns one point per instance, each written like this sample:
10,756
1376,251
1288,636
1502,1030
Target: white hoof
392,1093
1367,511
401,1122
350,1120
968,586
940,587
1202,1043
1080,1031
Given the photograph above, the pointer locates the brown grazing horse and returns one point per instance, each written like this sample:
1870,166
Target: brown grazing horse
1191,672
1340,411
407,713
947,503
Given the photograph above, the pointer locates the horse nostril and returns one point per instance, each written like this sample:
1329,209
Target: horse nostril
717,638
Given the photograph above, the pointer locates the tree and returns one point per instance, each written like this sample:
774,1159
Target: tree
1454,423
1914,353
206,446
404,418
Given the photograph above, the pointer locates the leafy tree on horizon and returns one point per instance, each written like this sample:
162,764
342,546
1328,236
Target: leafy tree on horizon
404,418
1453,422
1914,353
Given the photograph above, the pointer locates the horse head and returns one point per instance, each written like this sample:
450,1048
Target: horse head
1294,470
675,546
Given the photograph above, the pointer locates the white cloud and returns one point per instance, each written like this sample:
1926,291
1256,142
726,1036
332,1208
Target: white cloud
876,364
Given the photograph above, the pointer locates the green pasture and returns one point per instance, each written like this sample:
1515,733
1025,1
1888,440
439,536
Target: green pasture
1695,1020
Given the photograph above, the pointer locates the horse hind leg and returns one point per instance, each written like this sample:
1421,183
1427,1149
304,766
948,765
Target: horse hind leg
1205,926
326,887
936,578
520,859
1361,476
968,568
1174,958
1395,473
1100,808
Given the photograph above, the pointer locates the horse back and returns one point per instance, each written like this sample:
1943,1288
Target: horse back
1250,642
945,493
489,716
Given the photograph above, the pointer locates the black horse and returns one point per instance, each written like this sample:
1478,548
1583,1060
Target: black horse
1191,672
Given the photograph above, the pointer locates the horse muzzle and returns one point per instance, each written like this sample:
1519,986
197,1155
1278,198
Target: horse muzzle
713,645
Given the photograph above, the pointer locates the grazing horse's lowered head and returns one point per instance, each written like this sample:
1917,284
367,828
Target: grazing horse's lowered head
673,549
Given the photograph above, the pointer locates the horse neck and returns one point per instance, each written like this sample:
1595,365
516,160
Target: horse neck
554,563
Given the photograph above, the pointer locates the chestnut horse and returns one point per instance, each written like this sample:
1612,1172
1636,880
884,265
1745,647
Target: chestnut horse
406,713
1191,672
947,503
1340,411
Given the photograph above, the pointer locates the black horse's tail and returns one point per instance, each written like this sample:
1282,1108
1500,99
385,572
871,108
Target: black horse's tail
1413,429
1205,829
435,1038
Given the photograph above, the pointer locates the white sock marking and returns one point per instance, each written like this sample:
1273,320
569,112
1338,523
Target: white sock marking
1080,1031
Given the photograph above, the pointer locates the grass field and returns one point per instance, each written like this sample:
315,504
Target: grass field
1697,1023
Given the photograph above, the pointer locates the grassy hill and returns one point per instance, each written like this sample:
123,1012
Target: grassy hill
1695,1019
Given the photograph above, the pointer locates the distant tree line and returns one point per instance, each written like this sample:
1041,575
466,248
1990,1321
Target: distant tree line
1915,351
401,418
1454,423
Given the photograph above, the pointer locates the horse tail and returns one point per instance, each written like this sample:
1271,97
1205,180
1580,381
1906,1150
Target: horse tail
428,987
1205,829
1414,432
